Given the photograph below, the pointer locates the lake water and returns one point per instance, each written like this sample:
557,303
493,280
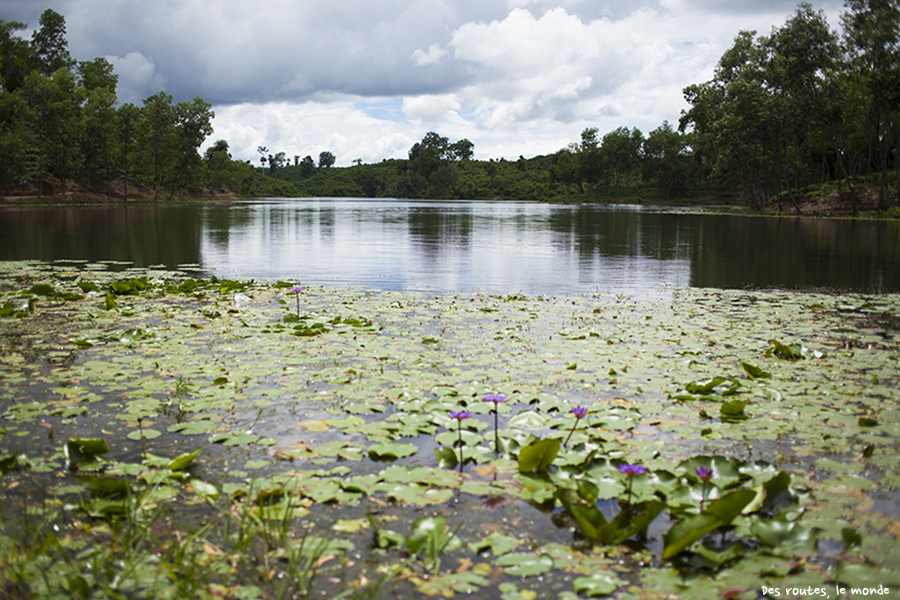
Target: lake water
444,247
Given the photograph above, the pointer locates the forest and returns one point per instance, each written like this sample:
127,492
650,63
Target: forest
801,113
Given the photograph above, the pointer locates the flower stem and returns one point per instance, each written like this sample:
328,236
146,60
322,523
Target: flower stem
496,434
566,443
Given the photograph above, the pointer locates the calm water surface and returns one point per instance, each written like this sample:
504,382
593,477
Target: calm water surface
443,247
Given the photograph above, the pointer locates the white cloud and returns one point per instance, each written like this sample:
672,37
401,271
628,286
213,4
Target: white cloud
432,56
431,108
308,128
138,77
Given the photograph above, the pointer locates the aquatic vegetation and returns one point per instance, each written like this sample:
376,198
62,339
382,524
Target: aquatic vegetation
705,474
496,399
631,471
580,412
297,289
185,443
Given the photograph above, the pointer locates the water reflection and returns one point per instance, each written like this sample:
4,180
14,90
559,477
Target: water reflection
497,247
145,235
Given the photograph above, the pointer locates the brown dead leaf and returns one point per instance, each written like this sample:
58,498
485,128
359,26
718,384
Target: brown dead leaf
322,560
464,565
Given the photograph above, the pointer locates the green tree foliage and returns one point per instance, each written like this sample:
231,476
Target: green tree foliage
666,161
97,74
872,34
799,107
620,155
49,44
157,136
326,159
54,122
16,56
59,121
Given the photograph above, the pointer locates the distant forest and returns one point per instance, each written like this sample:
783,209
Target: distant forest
800,113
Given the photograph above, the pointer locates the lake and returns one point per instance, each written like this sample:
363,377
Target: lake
464,246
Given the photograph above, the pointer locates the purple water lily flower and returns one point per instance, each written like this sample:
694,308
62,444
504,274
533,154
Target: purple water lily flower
632,470
580,412
459,416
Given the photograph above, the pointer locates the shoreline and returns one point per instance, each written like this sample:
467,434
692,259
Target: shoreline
825,209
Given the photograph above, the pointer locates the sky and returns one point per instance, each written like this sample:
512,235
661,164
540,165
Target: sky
366,79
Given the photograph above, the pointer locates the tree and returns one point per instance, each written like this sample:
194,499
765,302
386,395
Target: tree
157,135
99,143
665,159
192,125
872,33
128,122
307,166
263,151
54,107
276,162
801,54
326,159
621,152
730,117
97,74
15,136
566,169
462,150
16,57
51,49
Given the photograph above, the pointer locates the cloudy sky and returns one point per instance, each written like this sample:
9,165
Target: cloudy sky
366,79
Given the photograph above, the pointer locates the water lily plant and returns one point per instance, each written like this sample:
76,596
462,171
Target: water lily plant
632,471
297,289
496,399
705,474
459,416
580,412
143,443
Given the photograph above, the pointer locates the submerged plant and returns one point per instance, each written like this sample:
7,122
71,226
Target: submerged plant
496,399
580,412
632,471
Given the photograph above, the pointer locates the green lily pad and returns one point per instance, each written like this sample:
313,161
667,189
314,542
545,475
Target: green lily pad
148,434
597,584
183,461
538,455
525,564
392,451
